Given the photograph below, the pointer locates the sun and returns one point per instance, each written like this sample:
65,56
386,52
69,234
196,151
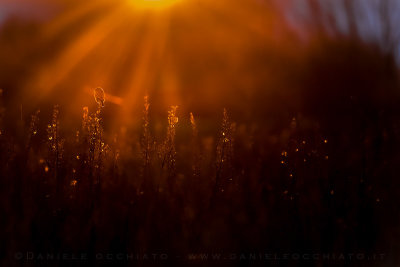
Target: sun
153,4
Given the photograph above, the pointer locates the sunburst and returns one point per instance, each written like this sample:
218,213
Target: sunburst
129,50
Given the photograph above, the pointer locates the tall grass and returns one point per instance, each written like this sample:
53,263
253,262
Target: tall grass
224,155
147,147
240,190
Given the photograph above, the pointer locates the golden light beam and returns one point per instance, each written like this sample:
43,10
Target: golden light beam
150,60
131,52
153,4
114,58
54,73
69,17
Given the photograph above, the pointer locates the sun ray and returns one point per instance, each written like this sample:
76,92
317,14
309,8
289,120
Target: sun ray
131,52
47,79
69,17
147,65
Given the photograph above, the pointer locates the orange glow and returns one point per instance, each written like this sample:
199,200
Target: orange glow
153,4
175,51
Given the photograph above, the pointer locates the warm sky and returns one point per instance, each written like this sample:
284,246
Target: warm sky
195,51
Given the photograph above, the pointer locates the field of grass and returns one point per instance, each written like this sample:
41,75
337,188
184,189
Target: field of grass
248,193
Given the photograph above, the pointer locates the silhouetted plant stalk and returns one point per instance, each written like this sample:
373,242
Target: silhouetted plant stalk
82,141
168,148
97,146
85,121
146,145
55,144
33,128
116,156
196,157
224,155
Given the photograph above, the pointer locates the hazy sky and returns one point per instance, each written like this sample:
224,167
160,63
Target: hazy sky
25,9
230,47
374,21
367,14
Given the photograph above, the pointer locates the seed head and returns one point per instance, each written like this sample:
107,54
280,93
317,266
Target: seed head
99,96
